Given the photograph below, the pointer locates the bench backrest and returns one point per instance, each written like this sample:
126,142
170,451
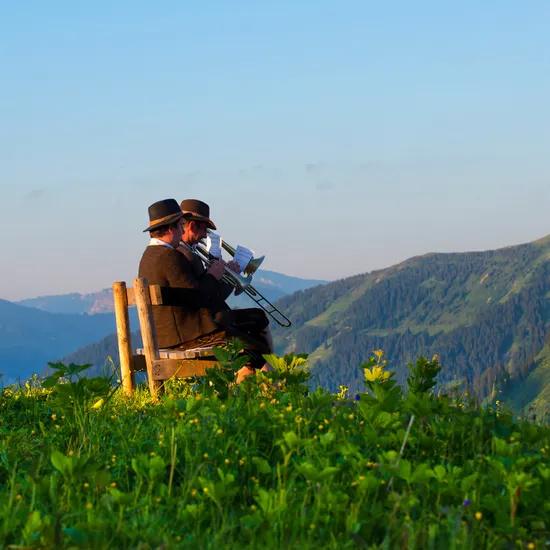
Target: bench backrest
143,296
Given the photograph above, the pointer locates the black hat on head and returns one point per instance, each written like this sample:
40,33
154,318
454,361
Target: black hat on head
163,213
194,209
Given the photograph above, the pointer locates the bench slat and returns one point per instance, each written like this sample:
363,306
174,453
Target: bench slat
163,369
182,353
164,295
154,292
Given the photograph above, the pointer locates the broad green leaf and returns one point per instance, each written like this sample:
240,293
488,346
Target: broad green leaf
292,440
262,464
403,470
422,474
59,461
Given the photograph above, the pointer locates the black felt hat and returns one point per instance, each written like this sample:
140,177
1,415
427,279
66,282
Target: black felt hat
194,209
163,213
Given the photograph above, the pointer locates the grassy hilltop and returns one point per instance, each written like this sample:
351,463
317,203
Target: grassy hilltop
251,467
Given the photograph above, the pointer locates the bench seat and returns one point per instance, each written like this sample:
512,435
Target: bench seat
193,353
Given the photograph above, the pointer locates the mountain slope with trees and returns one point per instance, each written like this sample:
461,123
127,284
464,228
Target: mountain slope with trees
485,314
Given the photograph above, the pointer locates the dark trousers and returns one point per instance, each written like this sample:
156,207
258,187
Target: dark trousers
245,324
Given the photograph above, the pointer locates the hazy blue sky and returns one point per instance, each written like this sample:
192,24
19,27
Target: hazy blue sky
333,137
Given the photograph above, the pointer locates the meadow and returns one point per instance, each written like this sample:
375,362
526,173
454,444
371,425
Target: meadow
269,464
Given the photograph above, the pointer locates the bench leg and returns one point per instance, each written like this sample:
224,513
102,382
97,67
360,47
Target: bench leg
148,334
124,339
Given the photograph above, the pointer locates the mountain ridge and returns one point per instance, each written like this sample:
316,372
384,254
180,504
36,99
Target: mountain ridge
271,283
30,336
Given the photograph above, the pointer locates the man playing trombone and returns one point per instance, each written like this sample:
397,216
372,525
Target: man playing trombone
205,319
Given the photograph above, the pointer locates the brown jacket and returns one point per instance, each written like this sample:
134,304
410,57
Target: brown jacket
199,271
165,266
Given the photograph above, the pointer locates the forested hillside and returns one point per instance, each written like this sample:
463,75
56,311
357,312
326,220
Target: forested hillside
486,314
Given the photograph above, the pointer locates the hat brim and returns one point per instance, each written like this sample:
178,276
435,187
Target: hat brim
197,218
168,221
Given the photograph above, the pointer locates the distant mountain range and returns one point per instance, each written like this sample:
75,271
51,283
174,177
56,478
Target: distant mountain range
29,337
271,284
48,328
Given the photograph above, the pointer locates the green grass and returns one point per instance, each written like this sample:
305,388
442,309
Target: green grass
81,466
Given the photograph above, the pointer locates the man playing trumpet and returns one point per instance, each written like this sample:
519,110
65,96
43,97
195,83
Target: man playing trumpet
205,319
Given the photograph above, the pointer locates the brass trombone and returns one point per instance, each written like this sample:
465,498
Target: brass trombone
242,284
252,265
238,281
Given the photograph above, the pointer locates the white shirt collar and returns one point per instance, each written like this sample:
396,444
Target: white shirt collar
158,242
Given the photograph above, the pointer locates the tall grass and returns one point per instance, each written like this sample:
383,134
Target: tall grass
249,466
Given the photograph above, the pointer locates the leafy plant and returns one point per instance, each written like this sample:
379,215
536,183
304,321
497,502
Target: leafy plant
288,469
291,371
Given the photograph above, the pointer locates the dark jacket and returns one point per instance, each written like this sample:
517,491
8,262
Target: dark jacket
165,266
199,271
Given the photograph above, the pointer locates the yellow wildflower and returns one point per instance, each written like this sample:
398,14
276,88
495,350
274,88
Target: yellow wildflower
377,373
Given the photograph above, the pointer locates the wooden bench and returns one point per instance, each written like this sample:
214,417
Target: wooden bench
160,364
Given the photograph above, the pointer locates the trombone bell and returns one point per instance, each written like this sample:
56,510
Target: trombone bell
252,265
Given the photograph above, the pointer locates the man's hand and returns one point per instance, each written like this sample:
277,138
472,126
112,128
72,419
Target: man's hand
216,269
233,266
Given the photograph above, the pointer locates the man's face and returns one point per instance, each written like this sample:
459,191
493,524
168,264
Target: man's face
176,234
197,231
